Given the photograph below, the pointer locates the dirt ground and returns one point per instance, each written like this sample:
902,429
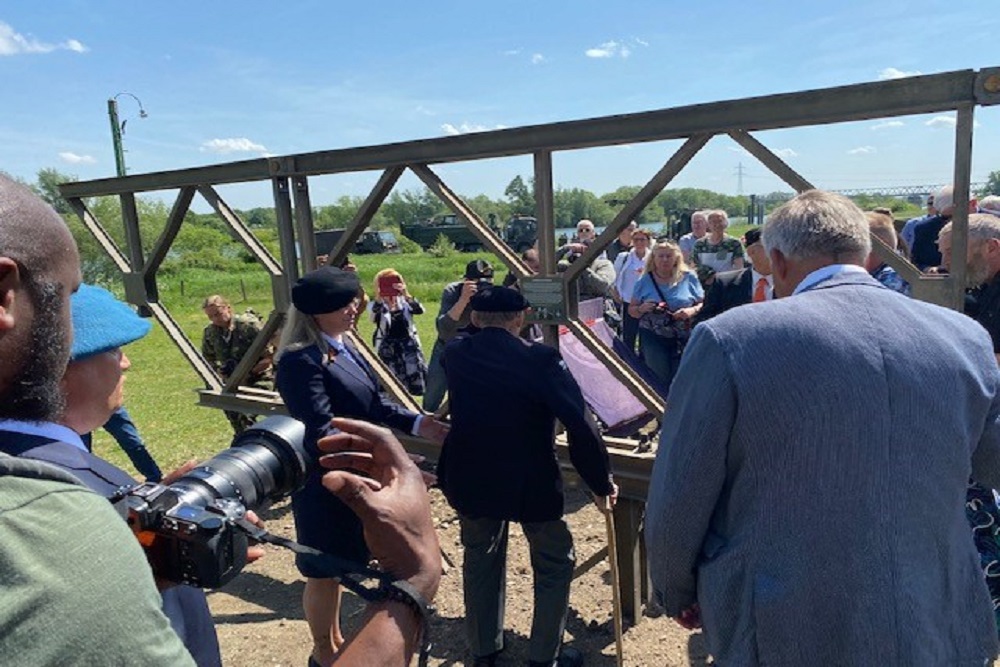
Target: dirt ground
259,615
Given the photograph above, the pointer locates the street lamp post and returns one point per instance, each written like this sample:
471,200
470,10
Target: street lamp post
118,129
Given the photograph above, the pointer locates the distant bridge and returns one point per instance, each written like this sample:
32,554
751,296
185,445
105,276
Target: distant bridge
904,190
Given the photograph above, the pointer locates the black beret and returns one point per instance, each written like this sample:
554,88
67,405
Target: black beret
752,236
325,290
498,300
478,268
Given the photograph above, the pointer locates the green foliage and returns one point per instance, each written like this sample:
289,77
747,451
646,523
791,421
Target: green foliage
407,246
442,247
992,186
47,187
520,196
573,204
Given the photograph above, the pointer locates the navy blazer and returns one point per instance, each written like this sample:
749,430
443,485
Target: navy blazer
317,386
499,460
185,606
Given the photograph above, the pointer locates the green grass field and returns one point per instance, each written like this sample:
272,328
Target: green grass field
161,388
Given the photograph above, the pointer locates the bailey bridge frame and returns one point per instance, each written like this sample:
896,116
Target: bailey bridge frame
288,176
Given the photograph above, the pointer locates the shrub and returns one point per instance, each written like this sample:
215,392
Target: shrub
442,247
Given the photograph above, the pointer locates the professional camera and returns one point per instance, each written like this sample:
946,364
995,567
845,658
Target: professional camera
188,528
483,283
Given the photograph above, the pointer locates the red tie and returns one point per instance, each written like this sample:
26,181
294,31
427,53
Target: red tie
760,292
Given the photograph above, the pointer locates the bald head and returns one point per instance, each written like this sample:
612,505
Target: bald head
39,269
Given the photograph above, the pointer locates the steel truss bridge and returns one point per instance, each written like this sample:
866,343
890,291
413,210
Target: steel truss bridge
287,177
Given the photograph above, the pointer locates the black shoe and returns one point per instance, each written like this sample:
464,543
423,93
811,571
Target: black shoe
568,657
489,660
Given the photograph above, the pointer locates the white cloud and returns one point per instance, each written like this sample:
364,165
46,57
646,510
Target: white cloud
421,109
941,121
893,73
13,43
887,124
641,42
232,145
512,52
466,128
537,58
610,49
861,150
785,153
73,158
739,149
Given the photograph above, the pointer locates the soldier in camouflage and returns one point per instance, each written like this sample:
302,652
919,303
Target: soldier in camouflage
223,344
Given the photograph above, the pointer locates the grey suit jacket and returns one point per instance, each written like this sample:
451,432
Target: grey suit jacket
810,483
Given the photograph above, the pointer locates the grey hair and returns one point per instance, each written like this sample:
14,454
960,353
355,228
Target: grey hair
982,227
818,224
719,213
300,331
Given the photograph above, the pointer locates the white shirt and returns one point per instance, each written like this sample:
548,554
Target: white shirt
628,270
825,273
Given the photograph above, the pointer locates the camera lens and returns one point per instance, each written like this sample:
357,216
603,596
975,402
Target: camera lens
265,463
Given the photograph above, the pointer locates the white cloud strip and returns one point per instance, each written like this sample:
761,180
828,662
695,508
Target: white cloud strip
785,153
73,158
13,43
893,73
467,128
611,49
941,121
888,124
232,145
862,150
537,58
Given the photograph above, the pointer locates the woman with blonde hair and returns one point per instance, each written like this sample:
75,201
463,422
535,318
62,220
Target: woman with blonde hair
395,338
321,375
666,300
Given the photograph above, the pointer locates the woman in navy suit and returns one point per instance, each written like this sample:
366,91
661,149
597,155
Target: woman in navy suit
321,375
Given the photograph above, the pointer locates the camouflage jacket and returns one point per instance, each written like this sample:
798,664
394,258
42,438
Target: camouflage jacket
224,349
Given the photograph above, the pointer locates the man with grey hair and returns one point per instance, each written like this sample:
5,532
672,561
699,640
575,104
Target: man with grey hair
699,227
767,517
982,271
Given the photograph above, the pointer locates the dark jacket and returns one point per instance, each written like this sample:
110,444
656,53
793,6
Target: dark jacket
186,607
499,459
317,386
728,290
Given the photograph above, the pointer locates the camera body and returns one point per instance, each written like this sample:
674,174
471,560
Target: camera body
188,528
482,284
661,308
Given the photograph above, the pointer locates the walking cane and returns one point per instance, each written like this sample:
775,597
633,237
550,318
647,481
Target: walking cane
609,521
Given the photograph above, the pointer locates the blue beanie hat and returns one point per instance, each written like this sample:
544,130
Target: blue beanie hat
101,322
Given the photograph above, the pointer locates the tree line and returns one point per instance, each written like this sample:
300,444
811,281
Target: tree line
205,242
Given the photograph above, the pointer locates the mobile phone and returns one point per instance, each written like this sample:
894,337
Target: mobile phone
387,285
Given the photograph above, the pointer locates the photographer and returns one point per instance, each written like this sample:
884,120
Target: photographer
665,301
453,315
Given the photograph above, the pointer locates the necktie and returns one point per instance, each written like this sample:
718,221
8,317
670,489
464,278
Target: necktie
760,291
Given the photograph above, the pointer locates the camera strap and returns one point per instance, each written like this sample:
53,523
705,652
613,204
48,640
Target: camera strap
351,575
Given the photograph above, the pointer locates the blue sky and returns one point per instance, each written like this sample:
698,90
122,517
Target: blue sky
225,81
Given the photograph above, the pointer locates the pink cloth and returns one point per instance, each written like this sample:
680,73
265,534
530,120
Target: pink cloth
610,400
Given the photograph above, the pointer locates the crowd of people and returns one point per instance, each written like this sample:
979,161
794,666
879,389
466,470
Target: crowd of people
822,492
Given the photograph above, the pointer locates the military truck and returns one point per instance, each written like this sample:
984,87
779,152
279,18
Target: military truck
370,242
454,228
521,232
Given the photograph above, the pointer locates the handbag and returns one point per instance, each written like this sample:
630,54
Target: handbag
665,325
